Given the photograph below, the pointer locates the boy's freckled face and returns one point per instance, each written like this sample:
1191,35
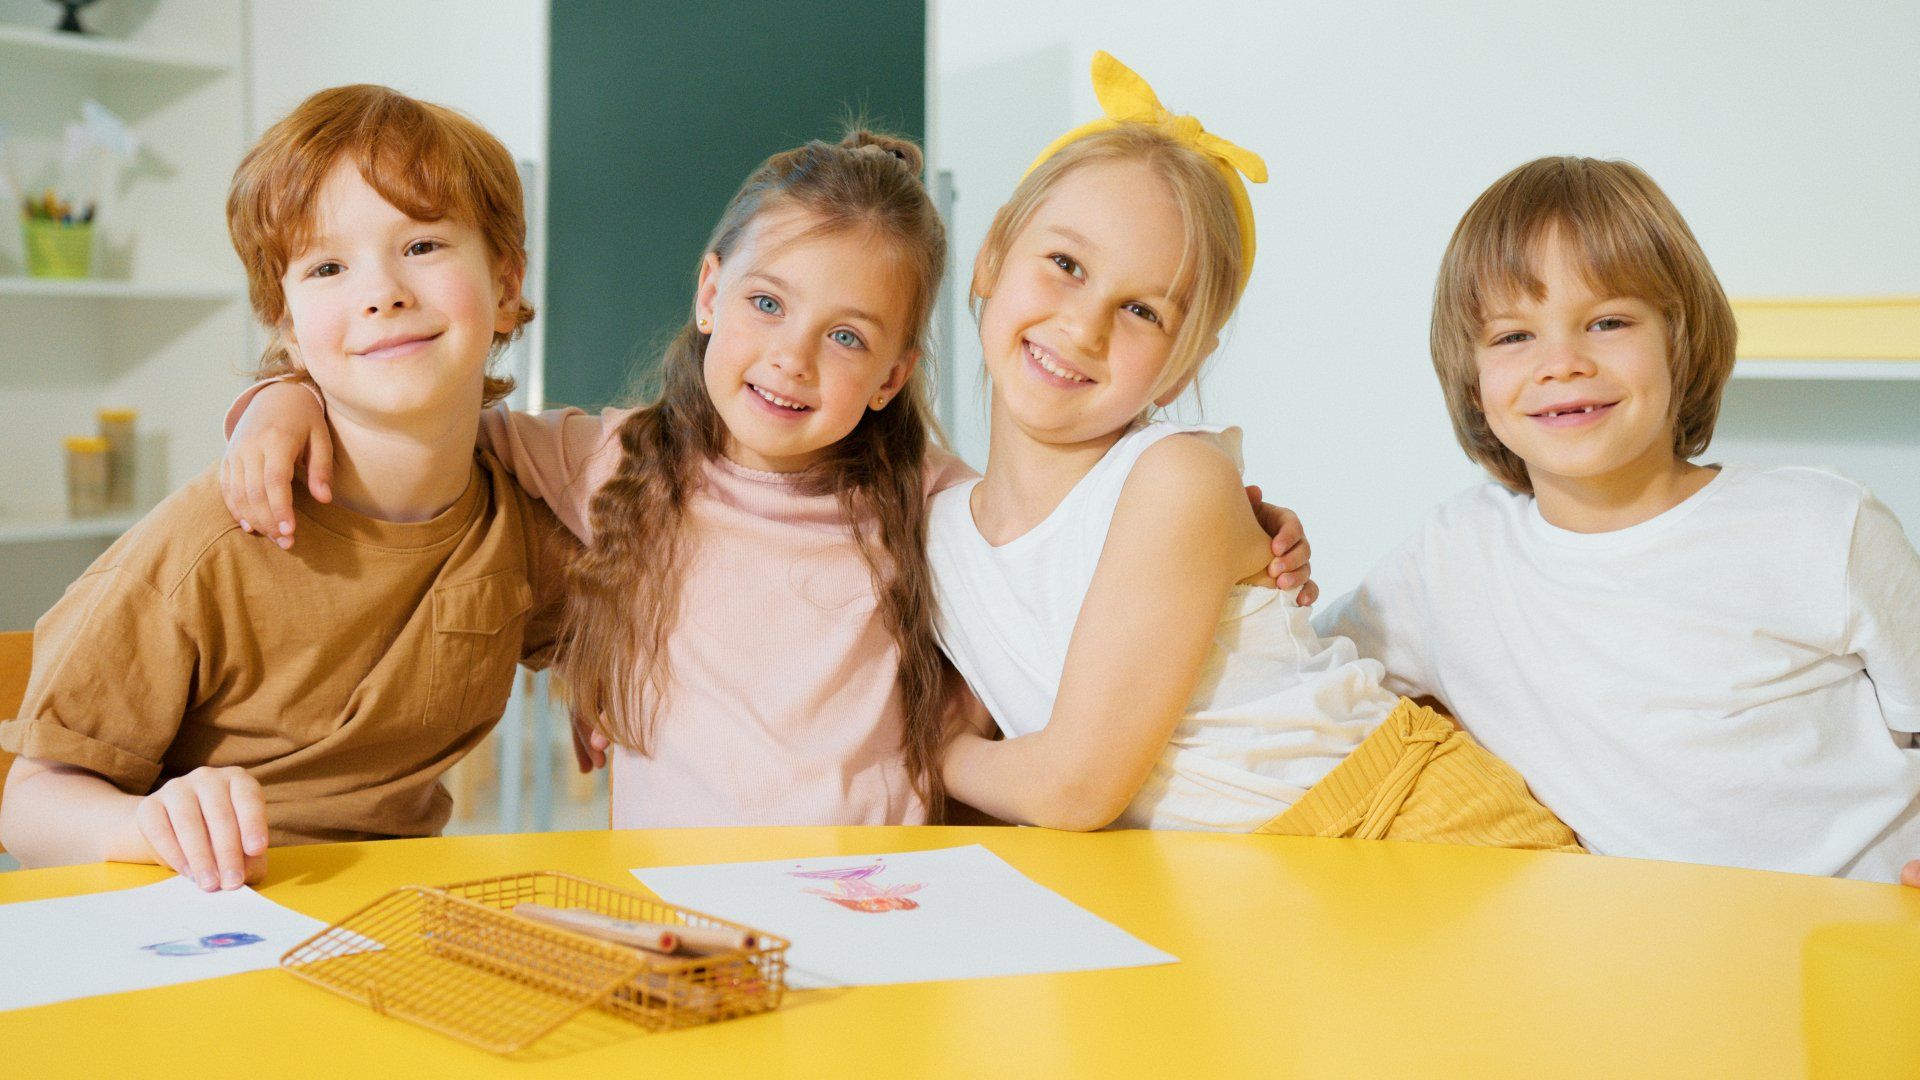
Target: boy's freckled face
1576,384
1080,324
807,332
392,317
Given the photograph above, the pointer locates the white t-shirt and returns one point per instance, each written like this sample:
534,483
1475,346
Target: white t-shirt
1276,707
1734,681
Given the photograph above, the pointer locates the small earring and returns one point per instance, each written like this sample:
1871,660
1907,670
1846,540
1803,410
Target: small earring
879,402
705,326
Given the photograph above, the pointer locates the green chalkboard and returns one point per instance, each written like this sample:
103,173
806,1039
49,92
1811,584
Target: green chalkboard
659,110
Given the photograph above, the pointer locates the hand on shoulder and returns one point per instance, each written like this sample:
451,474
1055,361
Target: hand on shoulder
1186,490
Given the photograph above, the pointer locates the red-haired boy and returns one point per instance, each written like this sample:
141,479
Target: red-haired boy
197,695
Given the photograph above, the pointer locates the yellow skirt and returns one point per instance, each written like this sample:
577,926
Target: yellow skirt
1419,777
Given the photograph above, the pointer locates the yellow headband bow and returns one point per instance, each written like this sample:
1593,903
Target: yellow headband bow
1126,98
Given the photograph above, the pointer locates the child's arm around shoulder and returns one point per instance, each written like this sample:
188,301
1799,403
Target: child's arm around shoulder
1184,500
1181,537
271,428
558,456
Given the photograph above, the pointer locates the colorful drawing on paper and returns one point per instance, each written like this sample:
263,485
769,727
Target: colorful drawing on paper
853,888
203,945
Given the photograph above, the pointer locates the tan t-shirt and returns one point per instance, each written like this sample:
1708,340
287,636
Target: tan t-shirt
346,675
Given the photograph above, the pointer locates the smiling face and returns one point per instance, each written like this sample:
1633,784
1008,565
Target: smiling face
1080,323
1575,383
394,318
808,332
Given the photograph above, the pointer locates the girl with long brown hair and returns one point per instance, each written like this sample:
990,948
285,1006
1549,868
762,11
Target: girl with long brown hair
750,623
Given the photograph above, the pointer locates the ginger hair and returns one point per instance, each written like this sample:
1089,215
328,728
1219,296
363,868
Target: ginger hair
430,162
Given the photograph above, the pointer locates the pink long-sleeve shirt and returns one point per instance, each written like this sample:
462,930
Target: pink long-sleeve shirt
784,706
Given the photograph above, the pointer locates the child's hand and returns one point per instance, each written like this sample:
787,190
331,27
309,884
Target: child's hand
1291,553
589,746
1910,873
209,825
282,424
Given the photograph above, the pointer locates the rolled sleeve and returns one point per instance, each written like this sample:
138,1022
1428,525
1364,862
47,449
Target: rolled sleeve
49,740
112,673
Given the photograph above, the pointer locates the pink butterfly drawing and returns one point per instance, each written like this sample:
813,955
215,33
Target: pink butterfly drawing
852,889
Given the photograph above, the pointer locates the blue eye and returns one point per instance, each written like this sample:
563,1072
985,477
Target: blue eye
847,338
1610,322
764,304
325,269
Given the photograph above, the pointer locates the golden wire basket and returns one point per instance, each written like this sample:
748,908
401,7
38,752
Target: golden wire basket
457,960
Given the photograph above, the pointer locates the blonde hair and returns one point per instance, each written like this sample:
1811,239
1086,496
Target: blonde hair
1207,286
624,590
1630,241
429,162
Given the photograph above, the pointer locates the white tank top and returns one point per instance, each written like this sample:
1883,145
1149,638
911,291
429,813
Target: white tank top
1276,707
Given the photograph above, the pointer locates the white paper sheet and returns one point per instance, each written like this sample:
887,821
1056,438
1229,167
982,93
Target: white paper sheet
953,913
157,935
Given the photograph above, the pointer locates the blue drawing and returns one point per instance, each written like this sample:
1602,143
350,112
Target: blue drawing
200,946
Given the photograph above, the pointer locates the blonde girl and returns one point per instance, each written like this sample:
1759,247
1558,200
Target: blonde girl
1095,586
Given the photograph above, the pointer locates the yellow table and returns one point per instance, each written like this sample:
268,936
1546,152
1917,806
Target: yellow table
1298,957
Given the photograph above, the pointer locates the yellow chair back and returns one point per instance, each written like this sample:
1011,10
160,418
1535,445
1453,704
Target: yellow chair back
16,659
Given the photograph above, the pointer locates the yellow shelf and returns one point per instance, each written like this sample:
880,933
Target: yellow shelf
1817,370
1860,328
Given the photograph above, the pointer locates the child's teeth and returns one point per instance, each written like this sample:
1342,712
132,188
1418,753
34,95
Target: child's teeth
1049,366
777,399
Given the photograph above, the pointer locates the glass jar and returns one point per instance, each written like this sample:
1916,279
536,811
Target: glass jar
116,426
87,476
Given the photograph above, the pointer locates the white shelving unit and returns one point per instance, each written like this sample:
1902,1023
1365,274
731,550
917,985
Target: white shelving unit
49,49
106,289
162,326
52,527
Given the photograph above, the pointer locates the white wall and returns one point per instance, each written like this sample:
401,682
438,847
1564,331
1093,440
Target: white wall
486,58
1785,133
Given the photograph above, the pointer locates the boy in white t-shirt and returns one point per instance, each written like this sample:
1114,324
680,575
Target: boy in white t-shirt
1714,664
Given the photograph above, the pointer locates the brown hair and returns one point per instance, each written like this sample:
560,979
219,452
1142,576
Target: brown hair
625,588
1631,241
430,162
1207,286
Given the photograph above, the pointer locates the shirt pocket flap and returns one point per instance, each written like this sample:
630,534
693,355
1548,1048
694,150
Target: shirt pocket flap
481,606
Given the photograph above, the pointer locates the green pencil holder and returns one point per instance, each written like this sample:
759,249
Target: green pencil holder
56,250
